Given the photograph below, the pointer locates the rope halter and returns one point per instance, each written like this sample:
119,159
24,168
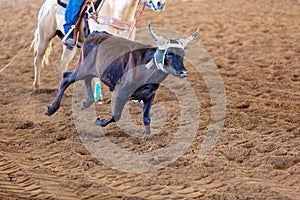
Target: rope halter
163,46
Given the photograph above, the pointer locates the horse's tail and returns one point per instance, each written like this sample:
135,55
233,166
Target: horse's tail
47,54
35,40
34,45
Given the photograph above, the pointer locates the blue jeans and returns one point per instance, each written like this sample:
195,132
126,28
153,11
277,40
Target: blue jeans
72,12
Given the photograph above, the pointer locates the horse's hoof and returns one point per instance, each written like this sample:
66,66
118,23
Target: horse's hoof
99,100
35,92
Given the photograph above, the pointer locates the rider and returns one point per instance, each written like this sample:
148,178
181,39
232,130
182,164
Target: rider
71,15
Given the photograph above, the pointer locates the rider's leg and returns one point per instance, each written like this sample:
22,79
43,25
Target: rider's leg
71,15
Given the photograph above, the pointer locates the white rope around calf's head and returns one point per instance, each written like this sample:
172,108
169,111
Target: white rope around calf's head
159,57
164,44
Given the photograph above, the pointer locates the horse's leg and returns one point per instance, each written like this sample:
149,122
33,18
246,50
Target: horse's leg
119,103
147,104
97,90
90,99
41,52
65,60
46,30
68,78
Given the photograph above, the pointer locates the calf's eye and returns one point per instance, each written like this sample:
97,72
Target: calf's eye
169,56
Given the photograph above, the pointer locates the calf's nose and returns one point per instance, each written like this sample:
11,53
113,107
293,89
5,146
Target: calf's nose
183,73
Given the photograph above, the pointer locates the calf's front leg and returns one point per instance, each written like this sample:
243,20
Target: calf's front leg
90,99
68,78
146,113
119,103
104,122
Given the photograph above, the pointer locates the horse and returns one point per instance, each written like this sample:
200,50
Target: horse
51,20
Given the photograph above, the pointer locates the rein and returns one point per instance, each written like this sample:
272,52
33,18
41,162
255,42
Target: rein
137,19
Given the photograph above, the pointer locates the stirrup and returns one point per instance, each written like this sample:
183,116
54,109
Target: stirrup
70,43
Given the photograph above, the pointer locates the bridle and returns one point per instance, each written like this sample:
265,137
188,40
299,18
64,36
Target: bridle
137,20
147,3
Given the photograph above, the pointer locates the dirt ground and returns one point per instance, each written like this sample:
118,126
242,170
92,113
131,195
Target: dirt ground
256,47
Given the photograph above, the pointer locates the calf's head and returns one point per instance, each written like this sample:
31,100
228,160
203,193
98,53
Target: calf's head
170,53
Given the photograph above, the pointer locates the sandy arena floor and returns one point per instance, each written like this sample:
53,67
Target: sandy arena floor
256,47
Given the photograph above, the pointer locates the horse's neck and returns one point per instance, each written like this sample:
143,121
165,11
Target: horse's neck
120,9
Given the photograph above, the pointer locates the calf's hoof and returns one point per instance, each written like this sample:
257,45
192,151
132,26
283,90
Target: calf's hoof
87,103
47,112
102,122
50,111
148,131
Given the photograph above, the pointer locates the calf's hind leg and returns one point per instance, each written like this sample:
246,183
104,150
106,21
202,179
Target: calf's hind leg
146,113
119,103
90,99
68,78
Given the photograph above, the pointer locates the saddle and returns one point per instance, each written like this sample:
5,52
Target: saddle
88,11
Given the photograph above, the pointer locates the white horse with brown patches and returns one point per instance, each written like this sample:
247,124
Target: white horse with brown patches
51,20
